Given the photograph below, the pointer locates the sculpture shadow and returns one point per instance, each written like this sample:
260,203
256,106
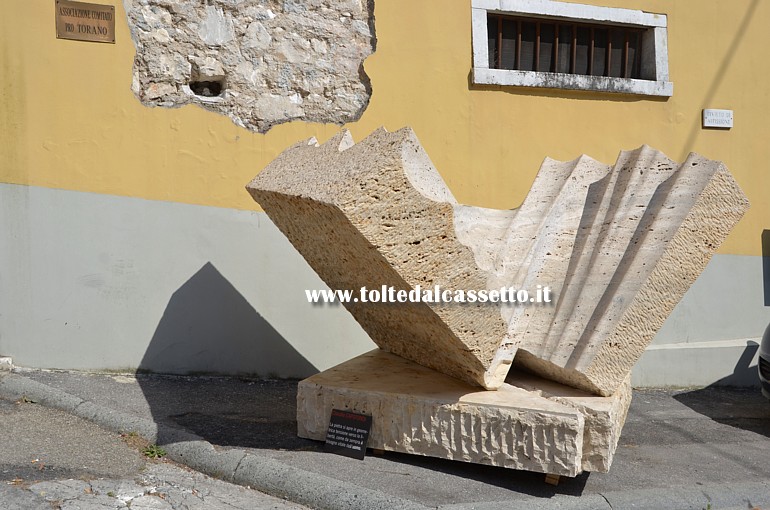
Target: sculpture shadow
734,400
514,480
209,328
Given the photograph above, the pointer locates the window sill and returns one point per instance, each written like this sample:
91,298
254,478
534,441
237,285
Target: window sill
506,77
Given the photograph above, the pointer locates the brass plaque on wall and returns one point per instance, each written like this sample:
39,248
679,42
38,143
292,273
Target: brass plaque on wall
85,22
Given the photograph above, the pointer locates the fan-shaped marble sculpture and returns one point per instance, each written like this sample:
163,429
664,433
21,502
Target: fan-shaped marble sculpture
618,245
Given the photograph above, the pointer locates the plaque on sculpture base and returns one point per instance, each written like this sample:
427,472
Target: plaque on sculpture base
348,434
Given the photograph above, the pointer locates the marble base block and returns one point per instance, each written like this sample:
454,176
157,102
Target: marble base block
416,410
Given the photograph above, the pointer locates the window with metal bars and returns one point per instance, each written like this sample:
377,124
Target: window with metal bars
526,44
570,46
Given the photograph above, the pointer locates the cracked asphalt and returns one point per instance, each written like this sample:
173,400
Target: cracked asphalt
50,459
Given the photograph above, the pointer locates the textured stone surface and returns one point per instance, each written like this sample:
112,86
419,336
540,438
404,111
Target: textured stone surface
378,214
619,246
420,411
604,416
274,60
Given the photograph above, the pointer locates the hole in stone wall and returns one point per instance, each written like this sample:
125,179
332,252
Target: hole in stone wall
208,88
207,79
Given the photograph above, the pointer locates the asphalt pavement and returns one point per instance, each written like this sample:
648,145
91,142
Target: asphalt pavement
680,449
51,459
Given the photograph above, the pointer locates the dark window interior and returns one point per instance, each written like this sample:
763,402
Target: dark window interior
546,46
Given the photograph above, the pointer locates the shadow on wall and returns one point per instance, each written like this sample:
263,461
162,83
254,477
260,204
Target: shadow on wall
723,405
744,374
208,327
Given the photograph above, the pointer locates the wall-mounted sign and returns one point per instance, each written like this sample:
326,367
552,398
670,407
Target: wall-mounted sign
718,118
85,22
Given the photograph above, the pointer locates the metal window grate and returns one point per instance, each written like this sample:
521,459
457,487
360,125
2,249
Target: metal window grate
525,44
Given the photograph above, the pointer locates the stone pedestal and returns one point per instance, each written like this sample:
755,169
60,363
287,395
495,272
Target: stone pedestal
554,429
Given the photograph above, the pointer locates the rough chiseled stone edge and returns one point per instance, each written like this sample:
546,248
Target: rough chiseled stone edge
534,440
604,416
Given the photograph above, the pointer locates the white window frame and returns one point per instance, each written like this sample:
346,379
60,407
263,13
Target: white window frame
654,47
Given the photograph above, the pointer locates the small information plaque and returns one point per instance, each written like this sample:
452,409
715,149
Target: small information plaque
82,21
348,434
718,118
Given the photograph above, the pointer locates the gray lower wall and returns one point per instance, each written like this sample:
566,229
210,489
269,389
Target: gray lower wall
93,281
99,282
713,334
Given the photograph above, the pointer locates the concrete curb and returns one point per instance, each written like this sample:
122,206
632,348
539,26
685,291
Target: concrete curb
236,466
317,491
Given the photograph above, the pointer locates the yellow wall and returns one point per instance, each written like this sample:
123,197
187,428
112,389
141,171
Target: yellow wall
68,118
